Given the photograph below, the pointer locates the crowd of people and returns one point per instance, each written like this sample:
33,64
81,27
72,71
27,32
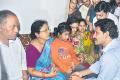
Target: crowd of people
84,47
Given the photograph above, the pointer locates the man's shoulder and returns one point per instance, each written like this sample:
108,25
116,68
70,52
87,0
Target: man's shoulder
94,19
112,54
16,42
113,17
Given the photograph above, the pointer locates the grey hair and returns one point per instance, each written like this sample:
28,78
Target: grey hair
4,14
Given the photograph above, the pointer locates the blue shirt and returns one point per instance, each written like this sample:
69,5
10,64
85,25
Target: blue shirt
108,67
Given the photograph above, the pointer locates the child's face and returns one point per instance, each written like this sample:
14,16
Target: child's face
65,35
74,27
82,26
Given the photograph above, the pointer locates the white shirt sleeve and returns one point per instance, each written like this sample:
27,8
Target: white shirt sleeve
117,11
23,57
107,68
24,64
95,67
94,21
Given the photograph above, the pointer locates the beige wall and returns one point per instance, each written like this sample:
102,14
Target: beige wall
54,11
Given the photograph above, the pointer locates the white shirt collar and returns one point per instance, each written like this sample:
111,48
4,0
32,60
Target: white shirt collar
10,41
111,45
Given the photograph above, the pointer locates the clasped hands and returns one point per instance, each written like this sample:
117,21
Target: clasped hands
76,76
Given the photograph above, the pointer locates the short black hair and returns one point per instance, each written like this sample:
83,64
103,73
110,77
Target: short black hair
35,27
108,25
103,6
83,20
62,27
72,20
113,3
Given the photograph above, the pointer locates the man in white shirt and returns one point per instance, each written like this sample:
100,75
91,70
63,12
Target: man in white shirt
108,66
12,51
102,10
84,8
117,13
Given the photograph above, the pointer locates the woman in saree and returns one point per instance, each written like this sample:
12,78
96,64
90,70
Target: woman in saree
86,45
39,63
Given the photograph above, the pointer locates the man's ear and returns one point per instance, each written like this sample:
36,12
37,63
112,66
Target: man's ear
106,34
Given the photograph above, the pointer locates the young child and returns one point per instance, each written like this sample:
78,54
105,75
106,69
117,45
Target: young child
63,53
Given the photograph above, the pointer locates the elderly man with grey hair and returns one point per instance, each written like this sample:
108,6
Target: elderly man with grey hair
13,63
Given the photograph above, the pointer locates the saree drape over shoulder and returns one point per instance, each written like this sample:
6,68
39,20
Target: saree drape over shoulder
44,63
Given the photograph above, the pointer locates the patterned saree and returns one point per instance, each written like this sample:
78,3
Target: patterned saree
44,63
